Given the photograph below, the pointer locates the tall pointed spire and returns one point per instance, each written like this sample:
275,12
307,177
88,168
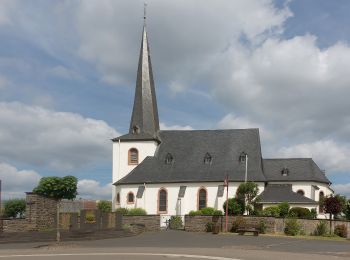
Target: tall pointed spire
144,119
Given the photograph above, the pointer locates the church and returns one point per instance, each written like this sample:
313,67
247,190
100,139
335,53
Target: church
174,172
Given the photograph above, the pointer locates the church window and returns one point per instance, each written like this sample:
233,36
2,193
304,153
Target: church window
135,129
242,157
202,198
133,156
118,198
321,198
162,201
301,192
285,171
169,159
207,159
130,198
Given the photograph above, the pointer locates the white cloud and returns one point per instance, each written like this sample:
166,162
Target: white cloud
91,189
343,189
15,182
174,127
63,72
58,140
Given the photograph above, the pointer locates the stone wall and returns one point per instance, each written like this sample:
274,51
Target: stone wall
151,222
17,225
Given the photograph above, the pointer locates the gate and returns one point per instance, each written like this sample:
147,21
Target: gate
173,222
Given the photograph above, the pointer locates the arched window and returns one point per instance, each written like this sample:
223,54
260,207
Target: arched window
321,198
133,156
162,201
130,198
207,158
118,198
301,192
202,198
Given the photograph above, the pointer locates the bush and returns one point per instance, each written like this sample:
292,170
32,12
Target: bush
209,226
218,212
234,207
292,227
272,211
299,212
313,213
262,226
123,211
104,206
321,228
195,213
90,217
341,230
237,223
14,208
175,222
207,211
284,209
137,212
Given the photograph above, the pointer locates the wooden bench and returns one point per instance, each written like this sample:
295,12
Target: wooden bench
243,230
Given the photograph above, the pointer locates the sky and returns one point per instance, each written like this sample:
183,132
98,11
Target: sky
68,72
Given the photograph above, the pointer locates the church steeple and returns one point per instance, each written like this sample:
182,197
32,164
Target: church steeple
144,119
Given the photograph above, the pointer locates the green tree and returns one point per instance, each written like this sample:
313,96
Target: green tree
247,193
347,210
57,188
15,208
104,206
234,208
284,209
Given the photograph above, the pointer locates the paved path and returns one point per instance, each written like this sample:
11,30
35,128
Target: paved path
183,245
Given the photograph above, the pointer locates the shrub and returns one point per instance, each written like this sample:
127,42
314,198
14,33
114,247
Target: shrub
14,208
313,213
195,213
321,228
284,209
104,206
175,222
237,223
217,212
209,226
262,226
299,212
292,227
90,217
234,207
341,230
123,211
207,211
272,211
137,212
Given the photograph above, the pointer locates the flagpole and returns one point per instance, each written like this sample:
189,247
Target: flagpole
226,221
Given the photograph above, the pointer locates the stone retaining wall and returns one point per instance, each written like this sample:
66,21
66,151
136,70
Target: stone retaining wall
17,225
151,222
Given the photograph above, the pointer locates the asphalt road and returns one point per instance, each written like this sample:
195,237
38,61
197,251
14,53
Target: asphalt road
182,245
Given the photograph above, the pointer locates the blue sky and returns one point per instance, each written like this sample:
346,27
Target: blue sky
68,70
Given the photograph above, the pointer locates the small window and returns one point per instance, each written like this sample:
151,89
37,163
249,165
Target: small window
242,157
202,199
169,159
135,129
130,198
162,201
118,198
321,198
207,159
133,156
301,192
285,171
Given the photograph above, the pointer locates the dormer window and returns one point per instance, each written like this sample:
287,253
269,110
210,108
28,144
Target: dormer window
207,158
285,171
135,129
242,157
169,159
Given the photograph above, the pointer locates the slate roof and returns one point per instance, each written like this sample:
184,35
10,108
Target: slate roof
189,148
299,169
277,193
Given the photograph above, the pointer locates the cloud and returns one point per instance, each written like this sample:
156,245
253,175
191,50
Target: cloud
4,82
63,72
343,189
174,127
57,140
92,189
15,182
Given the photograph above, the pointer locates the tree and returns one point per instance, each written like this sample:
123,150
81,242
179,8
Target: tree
284,209
104,206
234,208
332,206
57,188
246,193
14,208
347,210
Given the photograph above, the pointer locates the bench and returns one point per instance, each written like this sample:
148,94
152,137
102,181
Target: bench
243,230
